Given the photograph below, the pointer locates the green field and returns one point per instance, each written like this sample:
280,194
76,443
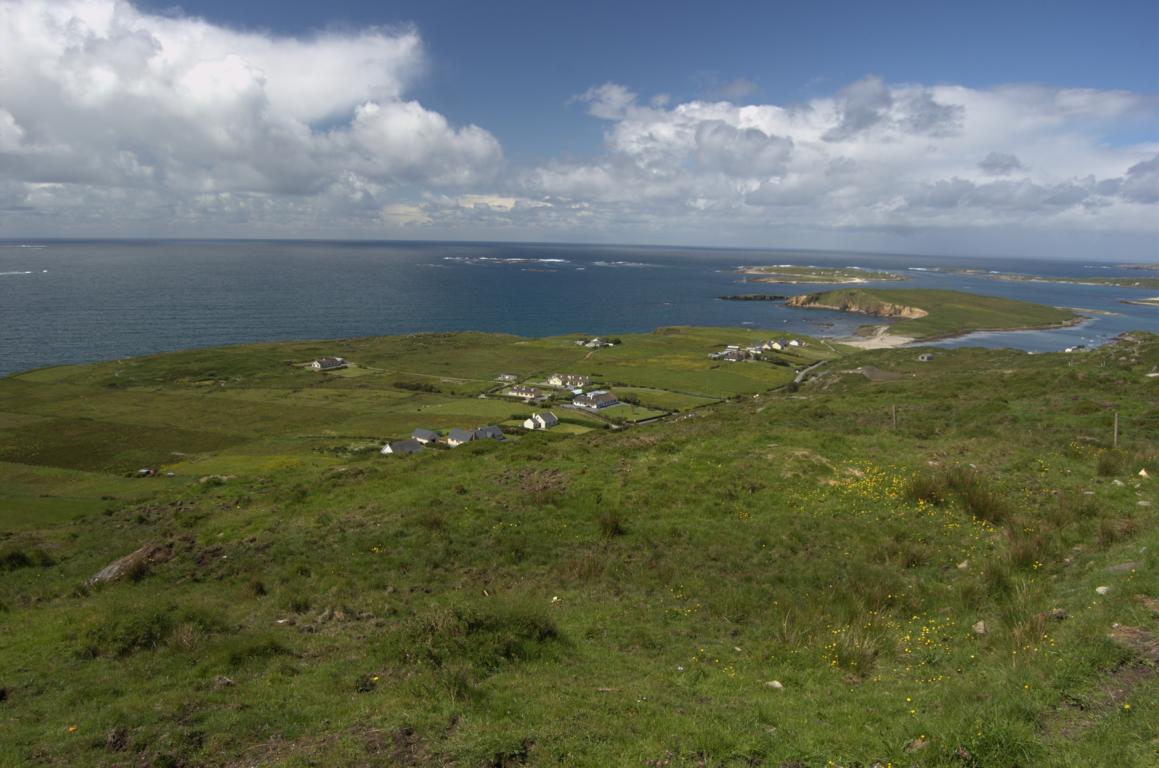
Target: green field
950,313
586,596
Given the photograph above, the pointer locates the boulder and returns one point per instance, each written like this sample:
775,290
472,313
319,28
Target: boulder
132,563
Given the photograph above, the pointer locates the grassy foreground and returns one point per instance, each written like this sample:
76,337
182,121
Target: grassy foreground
781,578
948,313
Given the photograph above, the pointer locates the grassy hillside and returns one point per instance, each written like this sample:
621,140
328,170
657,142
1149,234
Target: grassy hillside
949,313
782,578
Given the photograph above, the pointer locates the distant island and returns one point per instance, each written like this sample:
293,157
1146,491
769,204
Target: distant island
787,274
1118,282
753,297
928,314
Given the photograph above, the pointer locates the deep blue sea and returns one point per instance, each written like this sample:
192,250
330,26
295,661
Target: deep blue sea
72,301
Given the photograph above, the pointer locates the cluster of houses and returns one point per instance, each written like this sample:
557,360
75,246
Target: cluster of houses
421,438
734,353
329,363
573,382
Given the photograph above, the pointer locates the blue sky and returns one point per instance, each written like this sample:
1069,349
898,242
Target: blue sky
510,66
945,127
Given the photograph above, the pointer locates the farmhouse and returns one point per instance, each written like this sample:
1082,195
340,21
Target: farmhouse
545,420
596,399
526,392
328,363
457,437
402,447
424,436
569,380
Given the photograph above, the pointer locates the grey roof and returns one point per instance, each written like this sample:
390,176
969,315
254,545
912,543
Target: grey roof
424,434
460,435
327,362
406,446
548,418
490,431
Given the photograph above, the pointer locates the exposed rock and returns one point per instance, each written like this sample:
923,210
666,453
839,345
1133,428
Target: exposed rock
775,684
1057,614
1118,482
1103,590
1130,565
855,301
1142,642
979,628
132,563
964,565
221,681
917,744
1150,603
1143,503
117,739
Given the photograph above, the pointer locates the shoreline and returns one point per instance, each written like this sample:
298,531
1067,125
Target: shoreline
883,339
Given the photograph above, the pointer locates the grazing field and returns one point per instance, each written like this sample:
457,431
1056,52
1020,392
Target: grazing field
947,313
786,578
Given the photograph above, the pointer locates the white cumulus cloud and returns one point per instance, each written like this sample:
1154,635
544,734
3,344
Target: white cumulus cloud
98,97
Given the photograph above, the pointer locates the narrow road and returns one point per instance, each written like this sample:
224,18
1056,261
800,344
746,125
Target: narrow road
805,371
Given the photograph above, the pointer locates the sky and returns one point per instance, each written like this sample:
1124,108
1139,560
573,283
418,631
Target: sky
1012,128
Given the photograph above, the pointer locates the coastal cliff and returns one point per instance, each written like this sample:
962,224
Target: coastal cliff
856,301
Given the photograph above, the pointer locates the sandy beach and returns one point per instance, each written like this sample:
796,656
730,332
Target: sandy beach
881,339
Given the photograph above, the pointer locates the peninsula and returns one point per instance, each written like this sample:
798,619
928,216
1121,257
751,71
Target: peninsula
927,314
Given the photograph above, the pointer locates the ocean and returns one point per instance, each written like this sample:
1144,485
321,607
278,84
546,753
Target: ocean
81,301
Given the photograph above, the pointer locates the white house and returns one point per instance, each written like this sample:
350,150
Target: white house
328,363
526,392
569,380
545,420
402,447
457,437
596,399
424,436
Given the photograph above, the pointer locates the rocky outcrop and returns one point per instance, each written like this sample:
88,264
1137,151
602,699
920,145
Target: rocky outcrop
855,301
133,564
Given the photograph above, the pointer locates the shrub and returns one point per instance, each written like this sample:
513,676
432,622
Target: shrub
15,559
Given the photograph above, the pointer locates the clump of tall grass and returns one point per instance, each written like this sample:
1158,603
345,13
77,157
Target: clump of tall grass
1111,462
611,524
977,496
480,638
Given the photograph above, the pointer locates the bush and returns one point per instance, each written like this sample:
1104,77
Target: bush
15,559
